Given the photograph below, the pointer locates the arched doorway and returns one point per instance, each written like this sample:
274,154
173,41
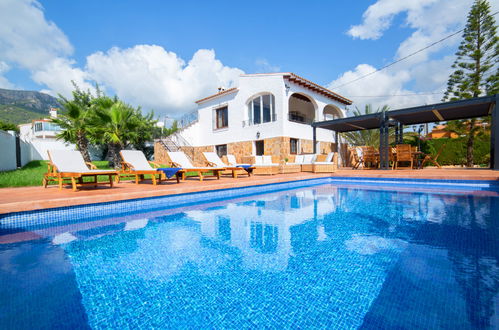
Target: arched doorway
331,112
301,109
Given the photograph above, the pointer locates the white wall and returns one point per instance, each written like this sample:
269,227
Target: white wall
203,133
8,151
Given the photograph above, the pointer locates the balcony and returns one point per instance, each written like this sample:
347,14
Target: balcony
250,122
298,117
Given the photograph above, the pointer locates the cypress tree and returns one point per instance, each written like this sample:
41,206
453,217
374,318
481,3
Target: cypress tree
476,70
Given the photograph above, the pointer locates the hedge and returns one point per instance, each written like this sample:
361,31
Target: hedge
454,152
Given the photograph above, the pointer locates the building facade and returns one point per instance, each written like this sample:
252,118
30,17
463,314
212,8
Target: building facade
40,135
267,114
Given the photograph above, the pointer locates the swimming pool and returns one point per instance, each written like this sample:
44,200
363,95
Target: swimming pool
320,253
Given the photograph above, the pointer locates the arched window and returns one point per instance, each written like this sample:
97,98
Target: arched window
261,109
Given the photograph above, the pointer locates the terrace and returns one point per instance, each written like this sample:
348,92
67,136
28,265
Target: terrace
35,198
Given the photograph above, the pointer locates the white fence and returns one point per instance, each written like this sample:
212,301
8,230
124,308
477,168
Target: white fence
33,150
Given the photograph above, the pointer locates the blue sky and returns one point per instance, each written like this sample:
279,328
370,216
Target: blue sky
164,54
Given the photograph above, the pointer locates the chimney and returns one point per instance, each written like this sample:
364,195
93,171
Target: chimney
53,112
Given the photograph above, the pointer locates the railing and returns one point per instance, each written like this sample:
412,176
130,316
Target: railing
250,122
296,118
178,140
187,119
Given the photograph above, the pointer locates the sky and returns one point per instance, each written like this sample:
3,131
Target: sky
164,55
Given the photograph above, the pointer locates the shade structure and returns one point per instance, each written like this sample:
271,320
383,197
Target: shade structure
463,109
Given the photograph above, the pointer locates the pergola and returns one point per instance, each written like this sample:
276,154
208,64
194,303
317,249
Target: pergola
463,109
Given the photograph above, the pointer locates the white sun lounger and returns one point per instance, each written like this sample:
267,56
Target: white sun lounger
70,165
135,164
179,159
215,161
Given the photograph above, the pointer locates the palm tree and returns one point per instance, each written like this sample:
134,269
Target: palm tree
116,124
365,137
74,121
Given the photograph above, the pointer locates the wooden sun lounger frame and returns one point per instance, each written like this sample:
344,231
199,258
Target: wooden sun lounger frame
232,169
217,171
75,178
128,171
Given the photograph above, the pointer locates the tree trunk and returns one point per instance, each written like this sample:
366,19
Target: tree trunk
82,144
471,143
114,153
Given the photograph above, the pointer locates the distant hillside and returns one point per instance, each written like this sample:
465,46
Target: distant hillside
19,107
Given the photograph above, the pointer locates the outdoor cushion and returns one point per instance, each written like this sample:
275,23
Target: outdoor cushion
308,159
329,158
71,161
231,160
299,159
181,159
137,159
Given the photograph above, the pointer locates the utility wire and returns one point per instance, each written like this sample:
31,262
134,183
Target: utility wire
410,94
405,57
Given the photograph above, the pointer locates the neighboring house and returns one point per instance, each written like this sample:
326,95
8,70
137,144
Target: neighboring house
266,114
41,134
440,131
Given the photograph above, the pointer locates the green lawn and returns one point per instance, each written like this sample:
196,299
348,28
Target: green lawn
32,173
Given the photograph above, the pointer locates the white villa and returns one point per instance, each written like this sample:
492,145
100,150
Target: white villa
40,135
267,114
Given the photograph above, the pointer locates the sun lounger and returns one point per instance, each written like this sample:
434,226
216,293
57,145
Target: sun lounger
213,160
135,164
179,159
69,165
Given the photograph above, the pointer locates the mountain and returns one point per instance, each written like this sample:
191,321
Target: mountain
18,107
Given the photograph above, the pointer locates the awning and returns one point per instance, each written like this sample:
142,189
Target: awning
471,108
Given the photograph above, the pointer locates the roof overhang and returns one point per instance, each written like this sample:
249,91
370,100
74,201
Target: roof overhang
293,78
463,109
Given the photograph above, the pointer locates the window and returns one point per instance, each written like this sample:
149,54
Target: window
261,109
293,146
38,127
222,118
221,150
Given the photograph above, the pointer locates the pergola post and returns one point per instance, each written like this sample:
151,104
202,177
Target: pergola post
383,143
401,133
314,138
494,135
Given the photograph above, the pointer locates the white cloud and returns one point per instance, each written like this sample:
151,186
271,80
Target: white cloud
4,82
379,16
387,84
427,71
263,66
26,37
150,76
145,75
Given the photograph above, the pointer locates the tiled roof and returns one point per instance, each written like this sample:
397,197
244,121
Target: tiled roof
225,92
291,77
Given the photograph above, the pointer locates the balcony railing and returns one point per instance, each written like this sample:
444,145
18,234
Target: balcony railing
297,118
249,122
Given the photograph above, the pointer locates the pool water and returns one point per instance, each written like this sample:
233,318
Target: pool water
325,256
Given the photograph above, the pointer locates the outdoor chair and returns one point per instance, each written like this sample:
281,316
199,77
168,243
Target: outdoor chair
357,160
69,165
135,164
179,159
214,161
403,153
329,165
369,157
428,158
262,165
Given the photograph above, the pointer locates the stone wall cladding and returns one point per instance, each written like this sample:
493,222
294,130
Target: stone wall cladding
240,149
278,148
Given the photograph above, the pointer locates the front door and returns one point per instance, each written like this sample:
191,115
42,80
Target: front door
259,148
